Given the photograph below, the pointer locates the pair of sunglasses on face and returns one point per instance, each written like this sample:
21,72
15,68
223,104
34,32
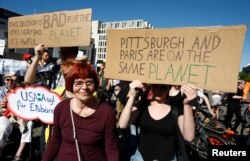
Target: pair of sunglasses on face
9,80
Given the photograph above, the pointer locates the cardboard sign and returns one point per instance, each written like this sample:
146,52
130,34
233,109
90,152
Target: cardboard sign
57,29
207,57
32,103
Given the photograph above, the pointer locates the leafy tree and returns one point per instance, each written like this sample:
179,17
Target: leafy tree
244,76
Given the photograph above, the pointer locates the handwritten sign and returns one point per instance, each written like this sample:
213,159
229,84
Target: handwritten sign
207,57
2,46
32,103
56,29
10,66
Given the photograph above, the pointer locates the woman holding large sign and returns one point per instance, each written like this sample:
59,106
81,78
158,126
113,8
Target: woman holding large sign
84,127
159,121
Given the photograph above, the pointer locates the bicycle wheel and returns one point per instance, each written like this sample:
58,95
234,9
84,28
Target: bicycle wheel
215,139
200,145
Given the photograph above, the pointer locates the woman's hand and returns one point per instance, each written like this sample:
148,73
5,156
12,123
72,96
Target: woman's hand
190,92
133,85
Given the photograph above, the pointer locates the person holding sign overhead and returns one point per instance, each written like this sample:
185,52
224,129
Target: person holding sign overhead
66,53
159,121
84,126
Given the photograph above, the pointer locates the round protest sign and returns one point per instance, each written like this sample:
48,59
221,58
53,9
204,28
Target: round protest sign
32,103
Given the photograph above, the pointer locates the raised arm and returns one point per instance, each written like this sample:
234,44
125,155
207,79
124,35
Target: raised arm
130,113
205,98
186,121
31,71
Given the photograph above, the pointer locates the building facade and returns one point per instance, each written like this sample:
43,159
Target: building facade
4,16
99,34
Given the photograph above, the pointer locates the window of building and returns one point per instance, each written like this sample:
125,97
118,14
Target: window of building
123,24
138,23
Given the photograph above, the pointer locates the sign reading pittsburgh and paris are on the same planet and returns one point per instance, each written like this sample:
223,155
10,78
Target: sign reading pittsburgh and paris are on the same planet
206,57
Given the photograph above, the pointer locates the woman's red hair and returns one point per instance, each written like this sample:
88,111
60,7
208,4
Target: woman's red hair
80,70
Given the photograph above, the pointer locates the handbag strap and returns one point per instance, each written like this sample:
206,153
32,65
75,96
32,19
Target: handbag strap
74,132
180,138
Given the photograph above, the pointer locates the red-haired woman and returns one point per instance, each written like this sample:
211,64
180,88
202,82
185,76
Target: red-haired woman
84,127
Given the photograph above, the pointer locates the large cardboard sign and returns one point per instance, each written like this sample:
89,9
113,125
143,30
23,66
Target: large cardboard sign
56,29
207,57
32,103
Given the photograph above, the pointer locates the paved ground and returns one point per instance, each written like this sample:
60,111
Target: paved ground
32,151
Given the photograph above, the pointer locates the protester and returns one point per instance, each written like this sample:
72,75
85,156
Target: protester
7,119
110,90
176,96
65,54
157,125
234,107
55,82
216,102
44,60
121,91
46,70
103,91
83,122
246,90
28,58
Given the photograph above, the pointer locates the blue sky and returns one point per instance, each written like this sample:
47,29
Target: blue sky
160,13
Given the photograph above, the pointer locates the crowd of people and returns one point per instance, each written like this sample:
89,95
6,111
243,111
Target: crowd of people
110,120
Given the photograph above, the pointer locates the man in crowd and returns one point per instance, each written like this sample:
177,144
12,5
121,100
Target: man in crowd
7,119
234,107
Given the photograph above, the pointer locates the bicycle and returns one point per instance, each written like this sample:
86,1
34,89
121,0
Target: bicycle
209,132
245,111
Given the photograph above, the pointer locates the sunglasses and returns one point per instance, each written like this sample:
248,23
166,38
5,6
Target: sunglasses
9,79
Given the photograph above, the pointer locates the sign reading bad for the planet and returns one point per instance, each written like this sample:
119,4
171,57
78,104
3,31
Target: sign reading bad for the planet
207,57
55,29
32,103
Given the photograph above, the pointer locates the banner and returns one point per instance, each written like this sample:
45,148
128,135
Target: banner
207,57
10,66
56,29
32,103
2,46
